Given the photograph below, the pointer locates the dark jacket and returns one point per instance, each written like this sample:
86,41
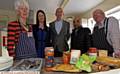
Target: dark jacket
80,39
59,41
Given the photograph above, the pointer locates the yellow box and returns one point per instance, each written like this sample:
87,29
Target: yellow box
102,53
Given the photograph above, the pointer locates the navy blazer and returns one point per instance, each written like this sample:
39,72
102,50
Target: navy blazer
47,40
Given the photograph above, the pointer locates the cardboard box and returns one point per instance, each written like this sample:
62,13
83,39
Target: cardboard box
102,53
0,51
75,54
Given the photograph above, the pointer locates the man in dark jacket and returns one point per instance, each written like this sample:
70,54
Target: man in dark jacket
80,37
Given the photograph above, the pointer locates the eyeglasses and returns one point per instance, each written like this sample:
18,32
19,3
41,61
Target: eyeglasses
76,21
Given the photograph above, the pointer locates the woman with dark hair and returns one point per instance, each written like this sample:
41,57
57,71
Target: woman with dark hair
41,33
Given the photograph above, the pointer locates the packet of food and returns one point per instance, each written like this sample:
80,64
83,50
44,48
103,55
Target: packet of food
85,62
75,54
102,53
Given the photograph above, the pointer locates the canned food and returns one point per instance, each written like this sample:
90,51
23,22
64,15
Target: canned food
49,57
92,52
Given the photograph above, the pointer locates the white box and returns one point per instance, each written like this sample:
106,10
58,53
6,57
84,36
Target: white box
75,54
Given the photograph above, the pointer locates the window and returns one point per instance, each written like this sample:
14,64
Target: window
91,24
115,12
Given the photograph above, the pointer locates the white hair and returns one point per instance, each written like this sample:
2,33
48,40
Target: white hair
19,3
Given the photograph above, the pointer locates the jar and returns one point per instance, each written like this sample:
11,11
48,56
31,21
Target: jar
66,57
49,57
92,51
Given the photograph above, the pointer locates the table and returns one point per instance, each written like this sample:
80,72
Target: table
58,60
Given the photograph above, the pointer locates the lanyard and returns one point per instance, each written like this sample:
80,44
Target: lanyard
21,25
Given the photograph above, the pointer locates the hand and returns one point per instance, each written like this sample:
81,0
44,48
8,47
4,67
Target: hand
117,53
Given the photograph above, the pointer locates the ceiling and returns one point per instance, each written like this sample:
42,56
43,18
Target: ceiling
70,6
80,6
48,6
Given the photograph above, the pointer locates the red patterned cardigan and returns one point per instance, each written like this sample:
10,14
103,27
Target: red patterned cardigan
13,35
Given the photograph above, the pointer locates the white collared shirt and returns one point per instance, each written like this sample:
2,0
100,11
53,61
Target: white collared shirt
58,26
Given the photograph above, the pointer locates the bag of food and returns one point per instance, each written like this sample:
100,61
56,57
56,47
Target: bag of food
85,62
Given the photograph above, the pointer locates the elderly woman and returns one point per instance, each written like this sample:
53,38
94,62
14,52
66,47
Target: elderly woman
20,40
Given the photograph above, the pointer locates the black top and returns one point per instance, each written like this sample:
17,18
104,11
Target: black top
80,39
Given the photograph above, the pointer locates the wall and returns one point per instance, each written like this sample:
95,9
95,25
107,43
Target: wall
49,17
5,17
0,45
8,14
106,5
4,49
